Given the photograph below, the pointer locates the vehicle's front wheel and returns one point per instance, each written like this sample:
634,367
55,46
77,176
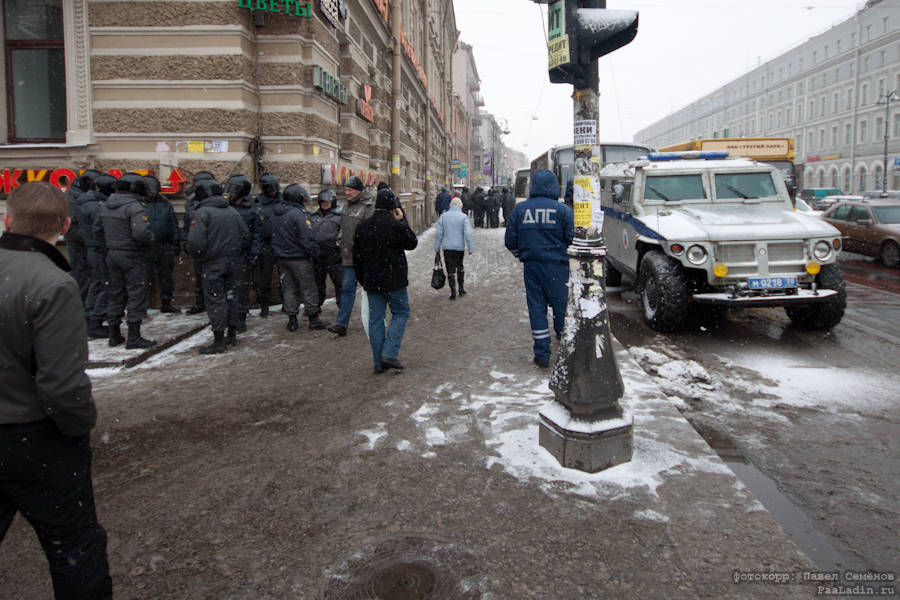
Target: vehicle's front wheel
663,287
822,315
890,254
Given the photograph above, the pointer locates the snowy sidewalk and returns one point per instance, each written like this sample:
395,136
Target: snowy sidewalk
286,469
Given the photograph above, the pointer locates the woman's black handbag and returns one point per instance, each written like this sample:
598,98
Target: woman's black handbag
438,278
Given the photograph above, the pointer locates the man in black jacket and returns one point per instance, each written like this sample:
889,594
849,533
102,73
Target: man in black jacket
46,407
217,239
379,257
190,205
267,201
326,224
75,246
89,205
124,223
166,246
237,192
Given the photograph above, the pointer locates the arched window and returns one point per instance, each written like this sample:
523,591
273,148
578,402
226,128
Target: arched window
862,179
878,173
821,178
847,185
834,178
809,179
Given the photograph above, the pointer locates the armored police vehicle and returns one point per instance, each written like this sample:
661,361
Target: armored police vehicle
699,228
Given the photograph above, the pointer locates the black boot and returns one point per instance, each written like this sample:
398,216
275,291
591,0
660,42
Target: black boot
293,325
452,287
218,345
196,309
96,330
168,308
134,337
242,325
263,311
115,335
316,323
231,338
461,277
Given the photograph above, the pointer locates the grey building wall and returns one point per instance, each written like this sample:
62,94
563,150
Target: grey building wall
828,94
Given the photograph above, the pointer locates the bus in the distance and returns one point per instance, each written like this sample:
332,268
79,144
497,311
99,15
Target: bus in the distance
561,159
776,151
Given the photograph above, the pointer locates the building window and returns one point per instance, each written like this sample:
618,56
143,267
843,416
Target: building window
862,179
822,108
897,125
850,99
836,103
878,173
879,129
815,59
35,70
864,95
809,142
883,56
812,109
848,134
866,65
868,33
839,46
884,24
846,184
822,139
834,136
787,115
881,88
853,40
863,133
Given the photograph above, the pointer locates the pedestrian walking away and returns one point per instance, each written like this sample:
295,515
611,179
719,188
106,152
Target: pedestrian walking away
296,251
326,223
267,201
539,233
124,223
453,233
442,202
166,244
218,239
359,207
379,259
237,192
46,407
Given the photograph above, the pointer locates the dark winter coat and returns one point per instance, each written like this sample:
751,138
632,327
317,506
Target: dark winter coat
292,234
88,211
217,231
267,206
252,216
379,252
494,200
327,227
352,215
124,224
442,202
163,222
43,339
73,193
542,227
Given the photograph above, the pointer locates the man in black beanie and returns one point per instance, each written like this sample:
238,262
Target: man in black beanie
379,258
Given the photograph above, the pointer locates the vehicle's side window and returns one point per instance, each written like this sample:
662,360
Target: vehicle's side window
841,212
859,212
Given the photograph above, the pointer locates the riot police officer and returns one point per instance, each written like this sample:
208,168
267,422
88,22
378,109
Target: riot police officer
161,259
218,238
191,204
268,200
124,222
326,224
95,302
237,192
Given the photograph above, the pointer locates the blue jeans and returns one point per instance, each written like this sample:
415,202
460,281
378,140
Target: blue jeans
387,347
348,295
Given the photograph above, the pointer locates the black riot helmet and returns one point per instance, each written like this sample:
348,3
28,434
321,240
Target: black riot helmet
152,186
201,175
268,183
105,184
206,188
237,188
326,196
134,183
296,194
86,180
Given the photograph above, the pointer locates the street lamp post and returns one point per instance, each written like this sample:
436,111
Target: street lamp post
886,99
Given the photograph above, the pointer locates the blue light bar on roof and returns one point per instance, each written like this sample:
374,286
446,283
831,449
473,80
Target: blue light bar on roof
692,154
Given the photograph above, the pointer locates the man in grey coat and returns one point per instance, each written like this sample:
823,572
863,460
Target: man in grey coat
124,224
46,407
359,207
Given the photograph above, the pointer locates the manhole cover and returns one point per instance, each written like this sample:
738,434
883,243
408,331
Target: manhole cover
406,568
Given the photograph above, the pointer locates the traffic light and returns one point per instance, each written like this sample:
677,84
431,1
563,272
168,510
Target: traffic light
580,32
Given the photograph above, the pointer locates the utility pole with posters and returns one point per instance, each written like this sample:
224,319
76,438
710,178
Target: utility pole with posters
585,428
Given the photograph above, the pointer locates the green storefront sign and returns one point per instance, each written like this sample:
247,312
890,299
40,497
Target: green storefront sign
279,7
330,85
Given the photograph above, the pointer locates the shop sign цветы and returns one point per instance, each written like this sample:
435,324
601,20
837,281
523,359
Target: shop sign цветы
330,84
279,7
364,106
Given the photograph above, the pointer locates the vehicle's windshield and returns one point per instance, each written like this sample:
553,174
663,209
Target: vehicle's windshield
622,153
744,186
672,188
887,214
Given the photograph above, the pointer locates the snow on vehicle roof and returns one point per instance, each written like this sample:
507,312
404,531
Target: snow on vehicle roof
696,165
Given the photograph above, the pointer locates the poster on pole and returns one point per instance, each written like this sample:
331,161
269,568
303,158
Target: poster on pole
586,132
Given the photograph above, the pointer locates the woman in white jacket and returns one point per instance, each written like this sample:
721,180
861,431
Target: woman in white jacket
454,234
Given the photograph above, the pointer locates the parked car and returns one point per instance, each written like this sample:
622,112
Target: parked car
890,194
827,202
871,227
813,195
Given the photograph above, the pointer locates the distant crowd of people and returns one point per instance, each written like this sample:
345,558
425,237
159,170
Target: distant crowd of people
483,204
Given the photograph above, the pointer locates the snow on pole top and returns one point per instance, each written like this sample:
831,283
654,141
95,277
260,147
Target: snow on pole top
604,19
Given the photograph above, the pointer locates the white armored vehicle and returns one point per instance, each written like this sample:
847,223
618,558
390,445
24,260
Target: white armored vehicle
694,228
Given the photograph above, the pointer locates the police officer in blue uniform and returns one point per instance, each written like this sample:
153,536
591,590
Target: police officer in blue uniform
538,233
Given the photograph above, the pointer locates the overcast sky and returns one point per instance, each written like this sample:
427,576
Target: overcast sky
683,50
